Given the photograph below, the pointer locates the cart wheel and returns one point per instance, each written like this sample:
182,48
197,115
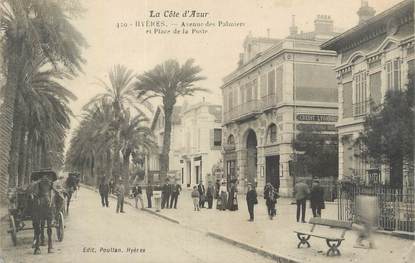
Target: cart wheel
13,230
60,226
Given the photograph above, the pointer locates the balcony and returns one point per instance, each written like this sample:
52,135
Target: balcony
243,111
361,109
229,147
269,101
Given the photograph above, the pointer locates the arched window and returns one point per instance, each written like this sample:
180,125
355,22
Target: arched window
272,133
231,140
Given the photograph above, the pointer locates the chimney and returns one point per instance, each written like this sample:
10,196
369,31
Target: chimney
241,60
365,11
293,27
268,31
323,24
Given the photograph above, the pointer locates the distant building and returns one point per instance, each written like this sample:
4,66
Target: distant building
373,57
153,160
202,137
279,87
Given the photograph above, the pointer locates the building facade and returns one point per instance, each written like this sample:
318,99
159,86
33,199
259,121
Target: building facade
153,160
202,143
373,57
280,87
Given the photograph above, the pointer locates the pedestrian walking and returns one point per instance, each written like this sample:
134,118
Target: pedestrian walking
103,192
251,200
270,195
202,194
138,195
149,194
209,195
233,197
367,215
111,186
176,189
120,192
317,198
165,195
221,202
302,191
195,197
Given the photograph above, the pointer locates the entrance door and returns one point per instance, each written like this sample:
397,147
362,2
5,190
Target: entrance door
251,156
272,165
230,170
189,174
197,174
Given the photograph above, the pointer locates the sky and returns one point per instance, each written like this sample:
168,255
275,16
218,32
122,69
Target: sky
216,51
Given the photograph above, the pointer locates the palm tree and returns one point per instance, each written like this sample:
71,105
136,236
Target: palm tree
135,138
168,81
29,28
120,93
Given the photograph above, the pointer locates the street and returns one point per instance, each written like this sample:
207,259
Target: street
96,234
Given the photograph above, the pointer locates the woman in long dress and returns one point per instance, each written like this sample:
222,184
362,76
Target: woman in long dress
232,199
221,202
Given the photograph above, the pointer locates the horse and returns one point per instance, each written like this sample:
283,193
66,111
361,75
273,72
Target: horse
42,211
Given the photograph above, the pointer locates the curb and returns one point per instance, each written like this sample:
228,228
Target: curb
251,248
398,234
161,215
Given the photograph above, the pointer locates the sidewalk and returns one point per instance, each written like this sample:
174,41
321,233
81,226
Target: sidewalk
276,236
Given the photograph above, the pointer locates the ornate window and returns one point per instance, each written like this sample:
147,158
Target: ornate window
272,133
231,140
393,74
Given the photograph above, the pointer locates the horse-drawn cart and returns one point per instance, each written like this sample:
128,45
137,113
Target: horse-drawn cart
24,205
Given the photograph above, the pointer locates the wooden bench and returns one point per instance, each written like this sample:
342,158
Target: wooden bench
333,240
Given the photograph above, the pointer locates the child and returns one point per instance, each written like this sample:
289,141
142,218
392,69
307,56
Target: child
195,197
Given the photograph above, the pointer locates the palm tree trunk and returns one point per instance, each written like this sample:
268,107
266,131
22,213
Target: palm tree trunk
126,168
15,145
164,156
29,154
6,125
22,158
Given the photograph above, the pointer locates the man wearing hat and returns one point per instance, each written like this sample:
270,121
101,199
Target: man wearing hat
120,192
316,198
301,193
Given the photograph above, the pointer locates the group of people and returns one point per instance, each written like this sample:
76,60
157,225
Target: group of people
316,196
169,195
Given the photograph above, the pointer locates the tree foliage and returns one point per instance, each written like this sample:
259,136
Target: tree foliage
318,153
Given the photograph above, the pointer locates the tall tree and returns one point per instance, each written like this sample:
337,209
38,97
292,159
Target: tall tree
388,135
319,152
29,28
120,93
169,81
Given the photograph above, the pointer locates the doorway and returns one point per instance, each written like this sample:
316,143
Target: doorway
251,157
272,170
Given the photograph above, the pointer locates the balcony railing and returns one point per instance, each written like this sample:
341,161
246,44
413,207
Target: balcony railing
361,108
244,110
269,101
229,147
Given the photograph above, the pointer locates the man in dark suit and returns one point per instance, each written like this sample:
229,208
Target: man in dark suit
103,191
165,195
176,189
209,194
149,193
202,194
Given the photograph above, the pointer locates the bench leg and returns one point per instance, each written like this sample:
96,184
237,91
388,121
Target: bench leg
333,247
303,240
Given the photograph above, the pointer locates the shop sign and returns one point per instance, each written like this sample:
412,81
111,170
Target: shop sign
314,117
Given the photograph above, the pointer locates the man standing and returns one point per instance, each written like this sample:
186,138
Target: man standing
301,193
174,195
317,198
165,195
209,195
103,191
120,192
202,194
251,200
138,195
149,193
